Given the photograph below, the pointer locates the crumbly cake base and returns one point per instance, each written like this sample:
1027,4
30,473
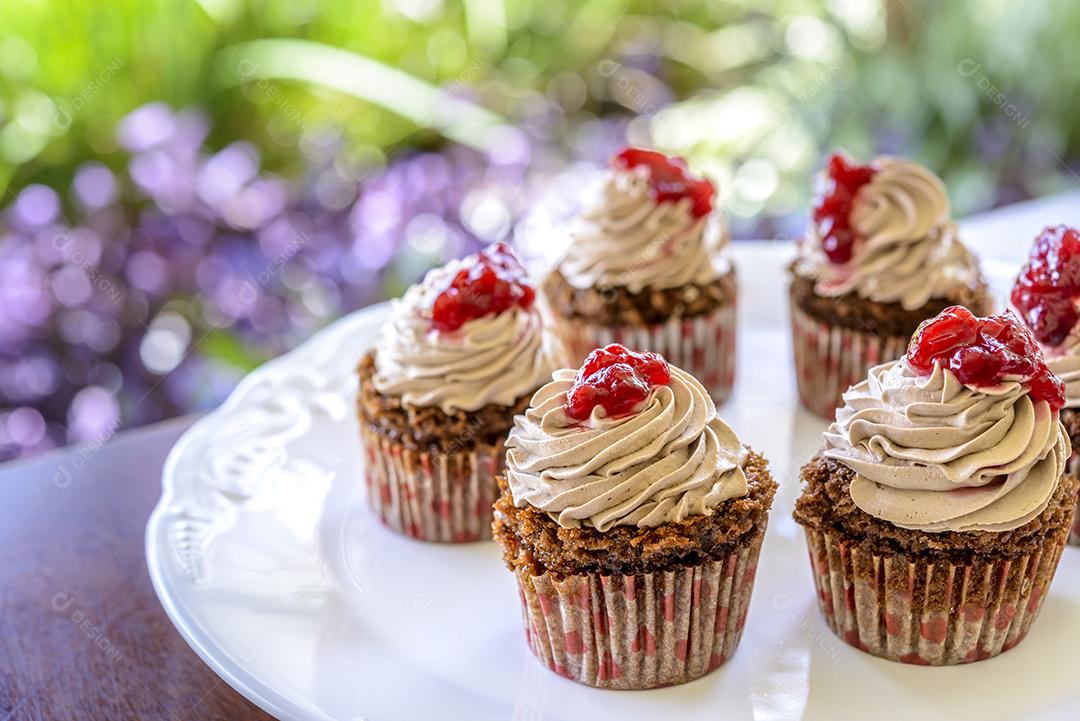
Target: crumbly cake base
430,428
826,504
1070,418
882,319
533,544
650,306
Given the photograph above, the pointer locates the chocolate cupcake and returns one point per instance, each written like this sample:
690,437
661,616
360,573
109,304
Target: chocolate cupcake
938,510
632,517
881,255
646,267
1046,294
460,355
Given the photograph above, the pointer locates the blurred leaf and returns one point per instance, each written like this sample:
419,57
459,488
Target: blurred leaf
422,104
227,348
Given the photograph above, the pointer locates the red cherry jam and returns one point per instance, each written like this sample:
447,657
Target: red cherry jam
617,379
1047,289
669,179
982,351
491,282
834,196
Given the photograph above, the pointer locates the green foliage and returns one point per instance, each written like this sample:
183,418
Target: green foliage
71,69
983,91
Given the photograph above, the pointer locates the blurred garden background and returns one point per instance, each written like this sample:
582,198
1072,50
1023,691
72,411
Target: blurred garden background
191,187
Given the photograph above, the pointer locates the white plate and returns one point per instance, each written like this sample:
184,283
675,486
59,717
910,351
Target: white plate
266,558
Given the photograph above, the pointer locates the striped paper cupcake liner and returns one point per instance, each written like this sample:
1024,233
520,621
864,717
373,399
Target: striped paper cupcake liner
829,359
926,613
703,346
640,631
442,497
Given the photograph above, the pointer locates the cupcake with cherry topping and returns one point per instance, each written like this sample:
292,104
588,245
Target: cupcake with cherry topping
632,517
646,267
938,510
460,355
881,255
1047,295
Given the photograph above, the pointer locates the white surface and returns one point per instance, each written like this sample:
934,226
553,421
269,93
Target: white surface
265,557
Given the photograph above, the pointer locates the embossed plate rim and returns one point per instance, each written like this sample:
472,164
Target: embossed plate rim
182,617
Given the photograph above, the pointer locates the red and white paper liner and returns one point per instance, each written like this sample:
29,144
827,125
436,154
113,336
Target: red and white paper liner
703,346
442,497
829,359
640,631
926,613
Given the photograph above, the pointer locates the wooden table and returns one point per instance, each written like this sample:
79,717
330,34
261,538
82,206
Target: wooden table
82,636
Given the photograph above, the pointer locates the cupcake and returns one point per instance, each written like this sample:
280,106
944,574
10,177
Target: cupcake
881,256
1047,294
938,510
646,267
460,355
632,518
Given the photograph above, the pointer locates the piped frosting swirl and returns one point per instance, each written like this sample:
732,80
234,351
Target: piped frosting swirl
1064,361
671,459
908,249
932,454
626,239
493,359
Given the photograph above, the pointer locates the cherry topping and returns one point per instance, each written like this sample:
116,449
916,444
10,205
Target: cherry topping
1047,289
834,196
491,282
617,379
669,179
982,351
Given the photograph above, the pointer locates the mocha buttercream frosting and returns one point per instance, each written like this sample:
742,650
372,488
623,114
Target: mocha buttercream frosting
1064,361
932,454
626,239
908,250
671,459
495,359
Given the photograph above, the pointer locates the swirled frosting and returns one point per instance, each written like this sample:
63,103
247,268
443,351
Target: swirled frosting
494,359
628,240
908,250
672,459
1064,361
932,454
